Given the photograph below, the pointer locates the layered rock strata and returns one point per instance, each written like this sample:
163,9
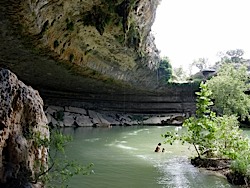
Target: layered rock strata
174,99
22,124
84,83
110,38
38,52
68,116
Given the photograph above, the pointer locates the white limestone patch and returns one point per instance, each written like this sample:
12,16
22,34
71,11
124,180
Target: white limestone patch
152,120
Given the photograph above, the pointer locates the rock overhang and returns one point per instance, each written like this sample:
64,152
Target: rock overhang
104,39
72,61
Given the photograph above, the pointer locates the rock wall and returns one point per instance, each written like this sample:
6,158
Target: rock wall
68,116
34,49
22,122
174,99
110,38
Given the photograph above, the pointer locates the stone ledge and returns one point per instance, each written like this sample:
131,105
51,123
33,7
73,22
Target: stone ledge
78,117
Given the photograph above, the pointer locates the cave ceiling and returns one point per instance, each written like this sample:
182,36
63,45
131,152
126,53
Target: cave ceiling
80,45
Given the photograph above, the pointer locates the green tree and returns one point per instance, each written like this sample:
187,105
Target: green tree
211,135
230,142
164,70
230,57
215,136
200,63
179,74
235,55
201,128
60,169
228,90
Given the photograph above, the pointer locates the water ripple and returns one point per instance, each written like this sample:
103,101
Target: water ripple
92,139
125,147
179,173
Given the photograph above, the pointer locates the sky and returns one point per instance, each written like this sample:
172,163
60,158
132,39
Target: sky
185,30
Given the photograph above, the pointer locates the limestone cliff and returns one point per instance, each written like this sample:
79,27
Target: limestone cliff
74,57
110,38
22,121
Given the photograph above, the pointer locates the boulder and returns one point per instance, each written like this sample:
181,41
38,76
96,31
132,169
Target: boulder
152,120
68,120
53,109
75,110
83,121
22,122
98,119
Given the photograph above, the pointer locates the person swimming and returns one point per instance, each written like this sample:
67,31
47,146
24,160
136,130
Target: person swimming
158,148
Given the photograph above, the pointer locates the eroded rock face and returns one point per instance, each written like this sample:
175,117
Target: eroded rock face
78,117
22,122
111,38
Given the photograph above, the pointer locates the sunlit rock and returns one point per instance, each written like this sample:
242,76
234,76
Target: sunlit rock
22,122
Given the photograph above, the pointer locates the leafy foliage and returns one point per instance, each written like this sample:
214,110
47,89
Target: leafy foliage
242,164
200,129
215,136
179,74
200,63
211,135
165,70
229,138
61,169
228,90
234,57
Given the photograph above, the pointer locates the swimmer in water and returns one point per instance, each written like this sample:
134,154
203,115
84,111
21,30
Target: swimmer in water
158,148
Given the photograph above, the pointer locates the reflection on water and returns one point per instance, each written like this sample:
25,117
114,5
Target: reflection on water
124,157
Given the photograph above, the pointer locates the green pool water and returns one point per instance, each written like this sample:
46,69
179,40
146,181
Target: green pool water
124,157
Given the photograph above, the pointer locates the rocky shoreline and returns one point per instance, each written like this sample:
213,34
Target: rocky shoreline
221,167
69,116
